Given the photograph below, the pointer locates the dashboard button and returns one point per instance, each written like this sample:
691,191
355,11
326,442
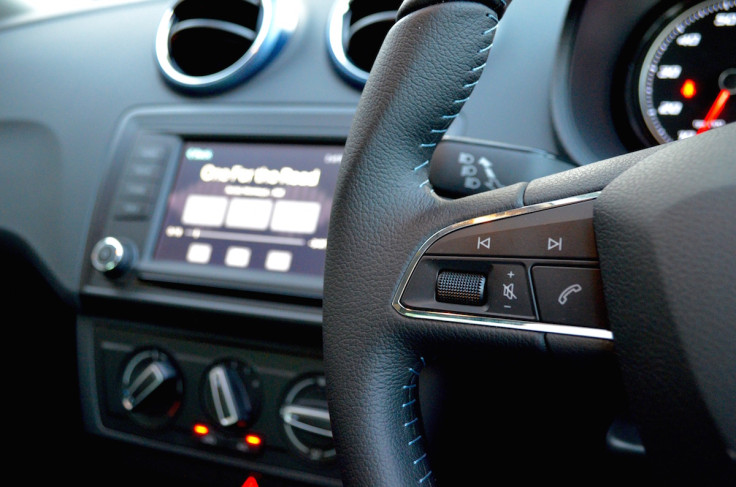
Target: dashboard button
138,191
132,210
564,232
145,170
570,296
509,292
113,257
151,148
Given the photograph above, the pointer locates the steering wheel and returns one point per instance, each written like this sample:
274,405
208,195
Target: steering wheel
663,237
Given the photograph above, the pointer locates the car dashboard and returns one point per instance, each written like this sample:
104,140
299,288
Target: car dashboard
167,172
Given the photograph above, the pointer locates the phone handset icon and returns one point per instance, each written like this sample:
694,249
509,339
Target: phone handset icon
575,288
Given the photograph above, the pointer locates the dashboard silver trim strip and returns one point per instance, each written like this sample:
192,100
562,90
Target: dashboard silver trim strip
482,320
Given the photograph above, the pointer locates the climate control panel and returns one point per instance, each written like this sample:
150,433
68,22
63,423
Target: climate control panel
243,405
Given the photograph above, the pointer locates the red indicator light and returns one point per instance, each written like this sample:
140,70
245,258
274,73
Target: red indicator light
250,482
201,430
688,89
253,440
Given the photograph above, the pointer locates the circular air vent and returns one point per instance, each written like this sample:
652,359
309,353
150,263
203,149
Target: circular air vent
212,44
356,32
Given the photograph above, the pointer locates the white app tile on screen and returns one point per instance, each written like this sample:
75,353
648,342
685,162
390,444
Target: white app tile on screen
199,253
295,216
238,257
204,211
278,260
249,213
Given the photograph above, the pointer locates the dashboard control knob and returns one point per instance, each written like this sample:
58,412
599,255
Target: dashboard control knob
113,257
306,419
152,388
232,394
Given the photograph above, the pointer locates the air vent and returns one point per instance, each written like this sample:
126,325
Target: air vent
210,45
356,32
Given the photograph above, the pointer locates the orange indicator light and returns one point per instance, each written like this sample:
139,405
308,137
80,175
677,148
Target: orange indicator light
253,440
688,89
715,110
201,430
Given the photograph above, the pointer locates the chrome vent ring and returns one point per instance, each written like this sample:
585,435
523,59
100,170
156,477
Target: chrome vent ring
208,46
355,34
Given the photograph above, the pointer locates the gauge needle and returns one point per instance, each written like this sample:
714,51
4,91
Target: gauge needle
716,110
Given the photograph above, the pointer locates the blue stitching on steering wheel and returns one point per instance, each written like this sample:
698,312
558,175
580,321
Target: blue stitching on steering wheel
416,436
410,405
461,101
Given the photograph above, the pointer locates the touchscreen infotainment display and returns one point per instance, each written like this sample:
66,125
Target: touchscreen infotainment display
251,206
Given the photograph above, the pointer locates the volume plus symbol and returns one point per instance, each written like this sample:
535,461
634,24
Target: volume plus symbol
509,291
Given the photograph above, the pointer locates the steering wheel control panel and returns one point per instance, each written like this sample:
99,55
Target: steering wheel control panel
535,268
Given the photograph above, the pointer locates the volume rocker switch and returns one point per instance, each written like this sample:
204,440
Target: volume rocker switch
509,292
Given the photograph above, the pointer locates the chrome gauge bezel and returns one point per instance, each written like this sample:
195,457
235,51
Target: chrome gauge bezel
658,44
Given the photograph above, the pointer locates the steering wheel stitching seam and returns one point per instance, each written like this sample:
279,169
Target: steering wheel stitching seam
448,118
410,404
413,423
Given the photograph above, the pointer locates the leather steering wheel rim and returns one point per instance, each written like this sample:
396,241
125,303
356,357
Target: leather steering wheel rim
384,210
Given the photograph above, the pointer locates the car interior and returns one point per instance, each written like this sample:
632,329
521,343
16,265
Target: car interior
292,243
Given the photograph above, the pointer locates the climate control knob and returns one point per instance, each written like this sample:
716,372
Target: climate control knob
232,394
306,419
152,388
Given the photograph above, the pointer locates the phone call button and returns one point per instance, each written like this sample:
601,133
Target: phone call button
570,295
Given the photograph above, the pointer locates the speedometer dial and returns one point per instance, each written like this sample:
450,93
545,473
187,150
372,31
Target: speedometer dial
687,78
